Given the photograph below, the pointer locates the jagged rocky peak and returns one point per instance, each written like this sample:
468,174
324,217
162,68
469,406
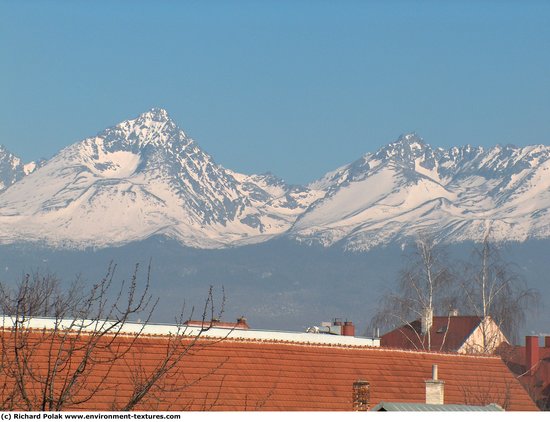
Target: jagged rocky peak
407,145
271,179
11,168
406,150
153,127
155,118
411,139
156,113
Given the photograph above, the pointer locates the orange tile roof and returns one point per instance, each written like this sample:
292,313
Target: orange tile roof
537,382
448,333
268,375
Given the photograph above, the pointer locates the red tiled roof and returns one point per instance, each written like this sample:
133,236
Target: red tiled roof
253,375
538,382
447,334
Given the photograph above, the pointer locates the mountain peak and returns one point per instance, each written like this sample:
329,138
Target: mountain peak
410,139
151,127
156,114
406,147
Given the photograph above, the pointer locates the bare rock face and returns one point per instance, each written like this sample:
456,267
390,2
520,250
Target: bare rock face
12,169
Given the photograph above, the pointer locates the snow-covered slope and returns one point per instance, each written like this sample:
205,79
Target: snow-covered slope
144,177
140,178
457,195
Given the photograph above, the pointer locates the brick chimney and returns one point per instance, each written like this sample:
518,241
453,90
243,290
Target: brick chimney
547,342
435,389
361,395
531,353
348,329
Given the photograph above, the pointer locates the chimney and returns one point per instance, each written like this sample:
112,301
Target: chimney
348,329
435,389
361,396
531,353
242,323
427,320
547,341
337,327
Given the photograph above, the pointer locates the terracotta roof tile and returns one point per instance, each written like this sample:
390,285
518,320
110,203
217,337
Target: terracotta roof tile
251,375
538,382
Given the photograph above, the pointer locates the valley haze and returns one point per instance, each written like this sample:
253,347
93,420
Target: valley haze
287,255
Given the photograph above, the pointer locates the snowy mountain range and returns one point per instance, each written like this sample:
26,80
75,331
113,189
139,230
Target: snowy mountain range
146,177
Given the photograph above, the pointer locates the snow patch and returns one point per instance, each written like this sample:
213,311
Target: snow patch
119,164
29,168
432,174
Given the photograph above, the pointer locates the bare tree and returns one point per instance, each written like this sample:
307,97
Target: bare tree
479,393
423,289
486,287
491,288
68,361
164,376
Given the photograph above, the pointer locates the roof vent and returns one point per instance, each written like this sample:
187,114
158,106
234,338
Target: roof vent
442,329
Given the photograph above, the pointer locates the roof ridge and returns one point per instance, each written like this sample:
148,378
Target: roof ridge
296,343
351,346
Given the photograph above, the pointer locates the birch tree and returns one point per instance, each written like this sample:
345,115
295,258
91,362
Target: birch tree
424,287
492,288
486,286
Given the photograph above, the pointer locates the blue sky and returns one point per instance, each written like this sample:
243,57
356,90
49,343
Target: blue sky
292,87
